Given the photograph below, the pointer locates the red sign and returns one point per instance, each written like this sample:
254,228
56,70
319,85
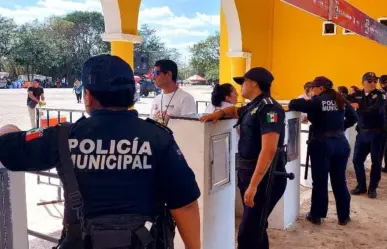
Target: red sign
316,7
351,18
345,15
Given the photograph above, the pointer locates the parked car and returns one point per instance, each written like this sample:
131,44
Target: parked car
148,87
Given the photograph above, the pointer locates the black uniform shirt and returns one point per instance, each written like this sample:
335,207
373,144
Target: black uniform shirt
255,123
324,114
371,112
122,162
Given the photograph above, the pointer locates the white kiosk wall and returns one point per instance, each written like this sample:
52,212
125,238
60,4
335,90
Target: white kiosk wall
210,151
13,210
287,209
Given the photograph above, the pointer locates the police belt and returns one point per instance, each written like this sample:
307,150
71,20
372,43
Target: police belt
250,164
371,130
117,231
329,134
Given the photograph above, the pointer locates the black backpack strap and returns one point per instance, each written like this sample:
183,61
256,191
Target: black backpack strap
69,180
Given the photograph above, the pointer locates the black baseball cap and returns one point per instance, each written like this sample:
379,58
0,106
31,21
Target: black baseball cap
257,74
369,76
107,73
383,79
321,81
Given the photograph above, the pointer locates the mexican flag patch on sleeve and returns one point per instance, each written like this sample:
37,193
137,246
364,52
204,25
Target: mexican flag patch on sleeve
34,134
271,117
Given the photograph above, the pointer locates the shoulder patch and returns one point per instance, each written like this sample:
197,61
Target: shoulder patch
161,126
34,134
271,117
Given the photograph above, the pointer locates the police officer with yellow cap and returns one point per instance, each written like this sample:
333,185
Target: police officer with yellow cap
119,173
330,115
370,105
261,150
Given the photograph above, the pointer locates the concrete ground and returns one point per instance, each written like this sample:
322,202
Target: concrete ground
368,229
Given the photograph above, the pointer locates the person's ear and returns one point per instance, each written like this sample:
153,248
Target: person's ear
87,98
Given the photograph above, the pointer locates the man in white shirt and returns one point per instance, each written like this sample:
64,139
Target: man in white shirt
174,101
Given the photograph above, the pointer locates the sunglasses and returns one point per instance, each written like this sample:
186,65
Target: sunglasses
372,81
157,73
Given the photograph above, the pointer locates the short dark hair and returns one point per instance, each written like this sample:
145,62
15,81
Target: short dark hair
117,98
168,66
343,90
37,80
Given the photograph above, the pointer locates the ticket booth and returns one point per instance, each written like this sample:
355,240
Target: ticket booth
210,151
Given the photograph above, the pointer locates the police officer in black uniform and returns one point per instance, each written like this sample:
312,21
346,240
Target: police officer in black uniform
330,115
383,85
123,164
371,138
262,132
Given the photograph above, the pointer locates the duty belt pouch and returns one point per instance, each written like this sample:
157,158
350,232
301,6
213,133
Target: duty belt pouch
245,164
119,232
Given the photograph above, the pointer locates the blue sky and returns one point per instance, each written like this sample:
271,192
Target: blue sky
180,23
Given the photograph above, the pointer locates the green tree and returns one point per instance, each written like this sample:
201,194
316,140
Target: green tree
153,46
7,31
30,48
205,57
85,38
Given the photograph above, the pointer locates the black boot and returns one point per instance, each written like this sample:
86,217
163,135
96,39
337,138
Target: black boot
344,222
384,169
313,220
359,190
372,193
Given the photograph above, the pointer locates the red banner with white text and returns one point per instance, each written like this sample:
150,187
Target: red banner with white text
317,7
345,15
351,18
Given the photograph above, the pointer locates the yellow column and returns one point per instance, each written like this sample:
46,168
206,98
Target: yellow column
124,50
238,68
239,64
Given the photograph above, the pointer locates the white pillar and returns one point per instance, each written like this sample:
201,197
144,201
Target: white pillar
287,209
350,134
13,210
210,151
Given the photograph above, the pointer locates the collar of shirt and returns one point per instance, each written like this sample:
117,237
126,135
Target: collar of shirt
373,91
259,98
132,113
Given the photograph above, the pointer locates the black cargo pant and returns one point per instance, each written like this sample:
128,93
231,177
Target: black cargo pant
249,231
